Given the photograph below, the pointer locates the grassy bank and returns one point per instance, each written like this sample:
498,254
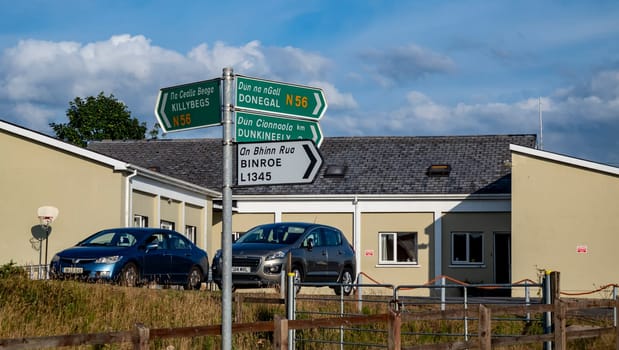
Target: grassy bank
45,308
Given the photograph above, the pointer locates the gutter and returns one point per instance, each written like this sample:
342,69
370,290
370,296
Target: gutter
375,197
171,180
128,200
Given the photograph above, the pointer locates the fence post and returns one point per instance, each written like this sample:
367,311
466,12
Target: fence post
527,298
615,309
559,323
141,339
443,293
359,293
395,328
238,310
280,334
551,293
616,327
290,308
485,328
466,319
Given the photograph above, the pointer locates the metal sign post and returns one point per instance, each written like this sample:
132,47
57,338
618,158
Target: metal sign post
226,234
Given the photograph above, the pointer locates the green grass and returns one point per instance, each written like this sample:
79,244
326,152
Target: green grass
45,308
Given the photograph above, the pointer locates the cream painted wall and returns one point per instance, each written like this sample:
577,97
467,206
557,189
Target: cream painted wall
193,216
144,205
89,196
170,210
557,209
487,224
374,223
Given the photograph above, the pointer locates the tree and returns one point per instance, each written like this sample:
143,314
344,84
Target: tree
98,118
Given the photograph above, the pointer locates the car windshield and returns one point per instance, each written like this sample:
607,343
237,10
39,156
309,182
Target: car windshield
275,234
110,239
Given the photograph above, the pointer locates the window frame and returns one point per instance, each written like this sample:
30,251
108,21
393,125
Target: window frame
394,261
140,220
191,233
468,258
167,225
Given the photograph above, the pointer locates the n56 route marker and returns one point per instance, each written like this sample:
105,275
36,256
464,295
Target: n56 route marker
189,106
280,98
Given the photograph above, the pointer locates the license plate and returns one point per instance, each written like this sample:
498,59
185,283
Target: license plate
241,269
72,270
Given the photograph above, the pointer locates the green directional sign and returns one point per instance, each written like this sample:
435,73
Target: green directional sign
280,98
189,106
255,128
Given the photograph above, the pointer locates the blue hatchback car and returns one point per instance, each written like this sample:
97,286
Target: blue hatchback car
132,256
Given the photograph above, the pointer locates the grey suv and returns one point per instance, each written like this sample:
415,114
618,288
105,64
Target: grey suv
319,254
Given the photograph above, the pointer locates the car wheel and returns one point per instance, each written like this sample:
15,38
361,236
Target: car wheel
129,276
347,283
298,278
194,279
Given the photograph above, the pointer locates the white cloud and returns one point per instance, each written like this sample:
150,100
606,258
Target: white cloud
335,98
43,76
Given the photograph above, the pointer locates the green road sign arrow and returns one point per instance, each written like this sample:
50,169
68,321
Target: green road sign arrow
255,128
189,106
280,98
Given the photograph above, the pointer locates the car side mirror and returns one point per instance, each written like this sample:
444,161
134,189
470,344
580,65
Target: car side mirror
310,244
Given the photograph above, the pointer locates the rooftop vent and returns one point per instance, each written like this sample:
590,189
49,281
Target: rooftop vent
155,168
336,171
438,170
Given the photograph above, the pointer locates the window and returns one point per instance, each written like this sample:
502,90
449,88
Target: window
398,248
467,248
236,235
190,232
178,243
140,221
168,225
332,238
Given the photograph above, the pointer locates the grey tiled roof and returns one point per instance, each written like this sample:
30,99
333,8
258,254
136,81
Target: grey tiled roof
374,165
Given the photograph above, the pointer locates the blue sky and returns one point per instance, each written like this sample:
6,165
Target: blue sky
388,68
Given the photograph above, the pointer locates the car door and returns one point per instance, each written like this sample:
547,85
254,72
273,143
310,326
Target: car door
157,260
180,253
335,257
316,257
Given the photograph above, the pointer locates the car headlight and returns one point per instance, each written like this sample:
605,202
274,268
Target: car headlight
278,255
108,259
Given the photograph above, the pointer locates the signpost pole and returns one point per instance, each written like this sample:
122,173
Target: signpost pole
226,234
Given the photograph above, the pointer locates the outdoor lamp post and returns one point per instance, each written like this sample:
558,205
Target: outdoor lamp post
47,215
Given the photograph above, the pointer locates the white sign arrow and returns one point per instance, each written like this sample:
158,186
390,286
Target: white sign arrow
276,163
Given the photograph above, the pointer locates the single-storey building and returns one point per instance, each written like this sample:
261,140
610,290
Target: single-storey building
92,191
565,217
413,207
479,209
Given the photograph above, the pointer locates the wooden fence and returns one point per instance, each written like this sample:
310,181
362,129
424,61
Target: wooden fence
141,336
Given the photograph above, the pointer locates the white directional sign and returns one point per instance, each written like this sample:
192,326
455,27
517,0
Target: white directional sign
276,163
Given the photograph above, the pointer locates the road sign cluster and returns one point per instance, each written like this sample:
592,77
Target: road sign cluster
269,115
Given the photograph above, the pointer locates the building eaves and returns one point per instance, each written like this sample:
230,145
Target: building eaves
565,159
64,146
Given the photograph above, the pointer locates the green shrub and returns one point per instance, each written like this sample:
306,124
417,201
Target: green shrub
11,270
